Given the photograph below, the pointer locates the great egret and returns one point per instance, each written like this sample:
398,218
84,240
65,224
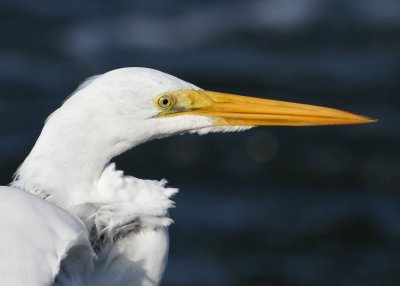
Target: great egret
71,218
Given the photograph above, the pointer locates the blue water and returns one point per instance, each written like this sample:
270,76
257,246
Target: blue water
271,206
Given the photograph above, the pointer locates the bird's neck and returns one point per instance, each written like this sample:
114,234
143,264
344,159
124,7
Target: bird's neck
67,161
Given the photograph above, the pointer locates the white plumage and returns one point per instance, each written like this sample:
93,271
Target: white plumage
36,237
71,218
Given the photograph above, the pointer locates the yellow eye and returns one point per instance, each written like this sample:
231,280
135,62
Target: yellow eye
166,102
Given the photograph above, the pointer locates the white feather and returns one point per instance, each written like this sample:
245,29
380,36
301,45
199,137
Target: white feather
39,240
125,218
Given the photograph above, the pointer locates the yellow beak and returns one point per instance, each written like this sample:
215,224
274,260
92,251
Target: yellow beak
229,109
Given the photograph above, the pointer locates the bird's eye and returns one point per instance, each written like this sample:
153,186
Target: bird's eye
165,102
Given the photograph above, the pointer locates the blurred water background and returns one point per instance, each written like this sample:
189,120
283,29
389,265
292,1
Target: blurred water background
271,206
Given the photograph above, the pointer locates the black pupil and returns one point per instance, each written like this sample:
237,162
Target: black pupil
165,101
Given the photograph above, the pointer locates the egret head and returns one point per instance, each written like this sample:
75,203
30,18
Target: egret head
138,104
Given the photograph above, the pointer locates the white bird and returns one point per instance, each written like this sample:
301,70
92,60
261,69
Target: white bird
71,218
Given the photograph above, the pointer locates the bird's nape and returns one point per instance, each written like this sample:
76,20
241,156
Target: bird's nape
235,110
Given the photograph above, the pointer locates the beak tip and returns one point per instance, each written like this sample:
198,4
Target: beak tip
360,119
370,120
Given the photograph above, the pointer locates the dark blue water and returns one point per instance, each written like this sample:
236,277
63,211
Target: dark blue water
271,206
